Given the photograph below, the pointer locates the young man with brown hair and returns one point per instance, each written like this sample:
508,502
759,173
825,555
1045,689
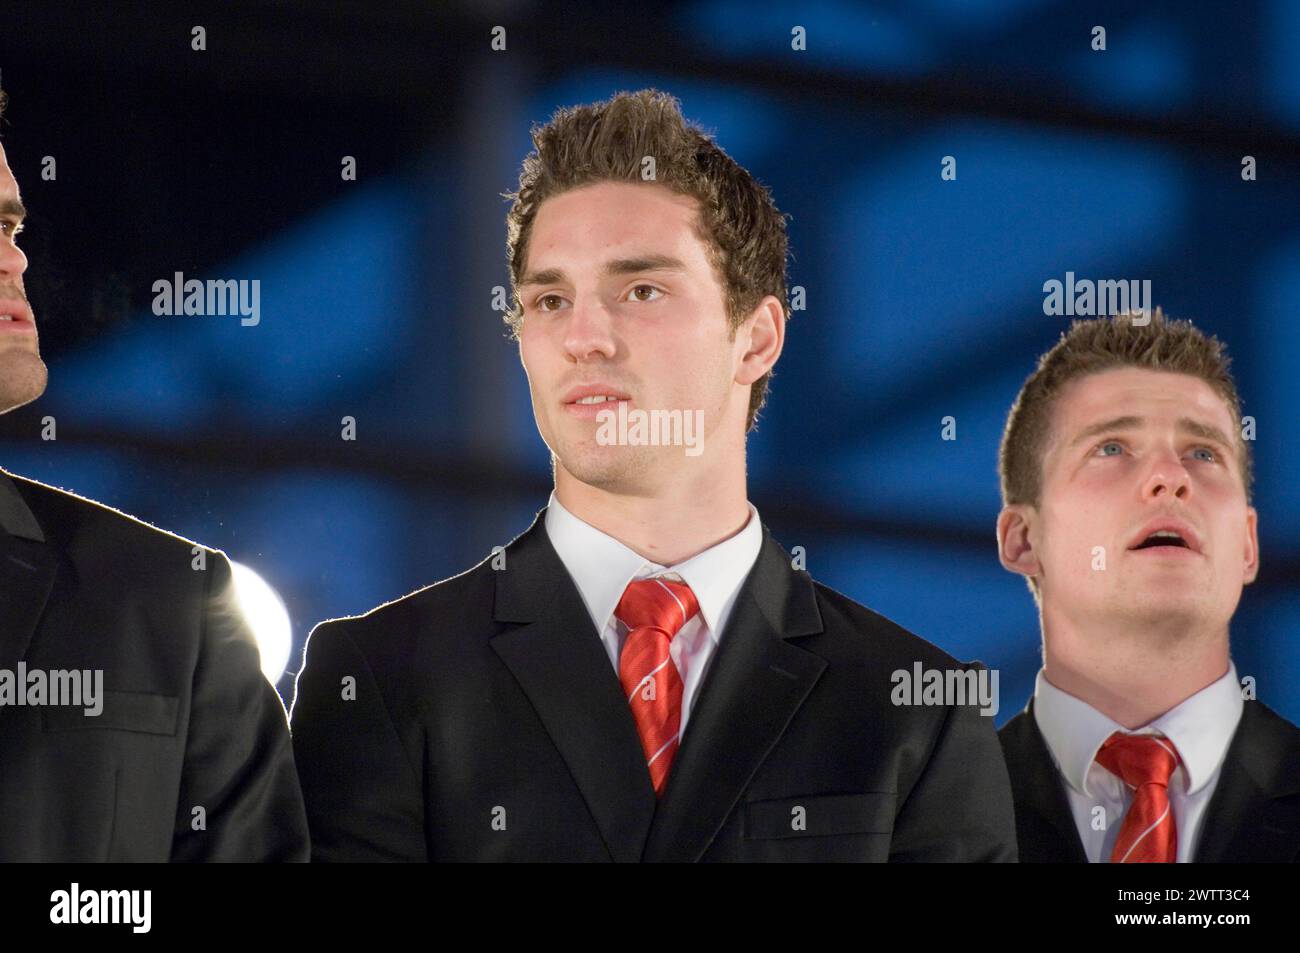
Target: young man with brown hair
188,756
642,675
1126,487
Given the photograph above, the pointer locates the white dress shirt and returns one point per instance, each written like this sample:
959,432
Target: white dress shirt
1200,727
602,567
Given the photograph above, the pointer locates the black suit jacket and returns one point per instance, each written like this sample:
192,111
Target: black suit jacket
188,718
1253,815
488,724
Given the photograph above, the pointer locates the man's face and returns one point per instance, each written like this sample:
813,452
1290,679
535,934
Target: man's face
22,373
619,300
1134,452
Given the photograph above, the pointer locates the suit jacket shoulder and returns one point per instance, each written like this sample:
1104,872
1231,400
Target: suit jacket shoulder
873,635
85,529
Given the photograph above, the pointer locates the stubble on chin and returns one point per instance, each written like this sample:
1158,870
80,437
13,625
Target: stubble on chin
621,470
23,377
1166,621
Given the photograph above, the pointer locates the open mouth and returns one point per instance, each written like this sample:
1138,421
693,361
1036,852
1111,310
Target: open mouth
1163,538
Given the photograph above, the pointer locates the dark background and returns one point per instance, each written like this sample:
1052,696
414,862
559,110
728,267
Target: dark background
924,297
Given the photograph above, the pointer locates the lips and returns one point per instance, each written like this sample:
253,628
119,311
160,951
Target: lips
583,400
597,389
1166,534
22,321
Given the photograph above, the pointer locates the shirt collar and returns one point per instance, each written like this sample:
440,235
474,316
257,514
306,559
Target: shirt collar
602,567
1201,727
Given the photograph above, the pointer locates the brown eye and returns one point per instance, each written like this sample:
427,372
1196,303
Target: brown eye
639,288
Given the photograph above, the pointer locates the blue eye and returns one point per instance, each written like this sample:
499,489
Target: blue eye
1206,450
1108,444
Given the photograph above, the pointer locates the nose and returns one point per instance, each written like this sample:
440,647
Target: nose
1167,479
12,260
589,330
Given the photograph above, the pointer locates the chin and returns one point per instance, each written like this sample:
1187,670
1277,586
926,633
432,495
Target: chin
616,469
1169,609
22,378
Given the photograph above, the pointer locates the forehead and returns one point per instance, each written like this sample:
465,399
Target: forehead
1161,397
5,173
595,221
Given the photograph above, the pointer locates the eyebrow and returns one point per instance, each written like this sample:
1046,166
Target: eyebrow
616,266
1185,425
13,207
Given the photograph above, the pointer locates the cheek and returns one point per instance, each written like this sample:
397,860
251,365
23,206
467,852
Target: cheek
688,360
1230,534
1068,538
532,349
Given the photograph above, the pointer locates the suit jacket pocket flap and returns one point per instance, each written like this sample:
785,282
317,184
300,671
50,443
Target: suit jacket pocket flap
821,815
123,711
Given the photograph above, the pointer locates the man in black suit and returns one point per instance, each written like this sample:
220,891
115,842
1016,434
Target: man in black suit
135,721
1126,481
641,675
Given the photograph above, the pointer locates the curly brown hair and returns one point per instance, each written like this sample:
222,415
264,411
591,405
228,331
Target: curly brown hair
743,232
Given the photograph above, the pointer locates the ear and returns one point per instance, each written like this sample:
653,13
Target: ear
1015,548
763,334
1252,546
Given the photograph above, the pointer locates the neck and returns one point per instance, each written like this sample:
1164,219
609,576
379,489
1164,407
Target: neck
670,524
1125,673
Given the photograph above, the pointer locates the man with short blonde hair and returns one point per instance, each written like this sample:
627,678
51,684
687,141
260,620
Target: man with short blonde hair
1126,487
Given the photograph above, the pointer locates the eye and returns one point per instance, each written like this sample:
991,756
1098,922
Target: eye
1104,448
540,303
1210,457
639,288
14,229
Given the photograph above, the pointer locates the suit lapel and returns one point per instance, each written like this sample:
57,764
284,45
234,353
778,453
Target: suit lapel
755,684
1254,815
26,574
558,659
1044,823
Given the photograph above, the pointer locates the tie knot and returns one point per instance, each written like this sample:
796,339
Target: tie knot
1139,759
658,603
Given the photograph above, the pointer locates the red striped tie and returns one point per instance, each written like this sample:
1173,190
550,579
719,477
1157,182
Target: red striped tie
654,610
1144,763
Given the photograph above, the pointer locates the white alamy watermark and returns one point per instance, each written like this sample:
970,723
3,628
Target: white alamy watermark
59,688
952,686
1086,298
651,428
216,296
74,905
